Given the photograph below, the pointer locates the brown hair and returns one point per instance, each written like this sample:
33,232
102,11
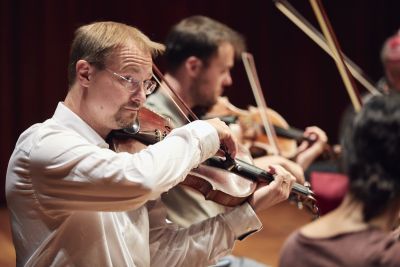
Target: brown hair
371,147
95,42
199,36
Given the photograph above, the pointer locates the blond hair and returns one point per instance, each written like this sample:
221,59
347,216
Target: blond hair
95,42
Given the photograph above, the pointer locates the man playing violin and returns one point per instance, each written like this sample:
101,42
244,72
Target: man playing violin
200,53
75,202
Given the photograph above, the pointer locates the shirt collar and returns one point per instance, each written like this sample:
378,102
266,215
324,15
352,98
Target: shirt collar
66,117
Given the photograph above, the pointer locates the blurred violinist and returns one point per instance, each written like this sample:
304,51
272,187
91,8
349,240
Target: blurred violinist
200,53
390,82
312,142
390,57
75,202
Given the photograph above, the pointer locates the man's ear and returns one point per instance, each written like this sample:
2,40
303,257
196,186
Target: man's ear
83,72
193,66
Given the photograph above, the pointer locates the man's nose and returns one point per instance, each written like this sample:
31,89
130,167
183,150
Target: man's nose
139,95
227,80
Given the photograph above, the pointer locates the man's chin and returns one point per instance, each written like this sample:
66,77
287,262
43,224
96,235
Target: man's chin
127,123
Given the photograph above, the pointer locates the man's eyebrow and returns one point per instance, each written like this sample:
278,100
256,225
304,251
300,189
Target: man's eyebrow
134,69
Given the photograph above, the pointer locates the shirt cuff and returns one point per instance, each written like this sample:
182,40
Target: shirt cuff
207,136
243,221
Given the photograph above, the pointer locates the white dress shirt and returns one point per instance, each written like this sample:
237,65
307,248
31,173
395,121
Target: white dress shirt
74,202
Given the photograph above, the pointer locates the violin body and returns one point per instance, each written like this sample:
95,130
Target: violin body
219,185
253,134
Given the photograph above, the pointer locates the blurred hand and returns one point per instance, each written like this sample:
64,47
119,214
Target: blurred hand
267,195
308,152
226,136
295,169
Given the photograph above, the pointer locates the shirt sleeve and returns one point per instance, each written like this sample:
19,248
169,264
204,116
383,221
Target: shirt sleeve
70,174
201,244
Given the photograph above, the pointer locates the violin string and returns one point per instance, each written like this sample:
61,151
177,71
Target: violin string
166,91
181,102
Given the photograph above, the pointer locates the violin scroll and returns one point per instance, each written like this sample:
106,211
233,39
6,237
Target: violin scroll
302,196
305,199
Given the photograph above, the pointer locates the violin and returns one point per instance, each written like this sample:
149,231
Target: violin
223,180
253,135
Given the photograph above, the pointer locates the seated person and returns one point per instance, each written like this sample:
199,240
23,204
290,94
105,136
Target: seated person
75,202
390,57
357,233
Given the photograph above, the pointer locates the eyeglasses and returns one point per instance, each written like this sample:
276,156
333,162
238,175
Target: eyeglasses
133,85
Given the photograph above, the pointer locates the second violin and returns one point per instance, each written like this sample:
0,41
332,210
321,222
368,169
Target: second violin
253,133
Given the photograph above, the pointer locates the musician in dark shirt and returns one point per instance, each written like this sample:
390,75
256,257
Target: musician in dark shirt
358,232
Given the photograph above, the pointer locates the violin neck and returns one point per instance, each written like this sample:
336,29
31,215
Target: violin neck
228,119
258,174
291,133
254,173
301,194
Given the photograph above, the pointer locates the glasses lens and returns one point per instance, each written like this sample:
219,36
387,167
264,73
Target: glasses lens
133,85
149,86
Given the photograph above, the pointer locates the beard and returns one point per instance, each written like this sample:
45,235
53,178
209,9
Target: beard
124,121
201,94
124,118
